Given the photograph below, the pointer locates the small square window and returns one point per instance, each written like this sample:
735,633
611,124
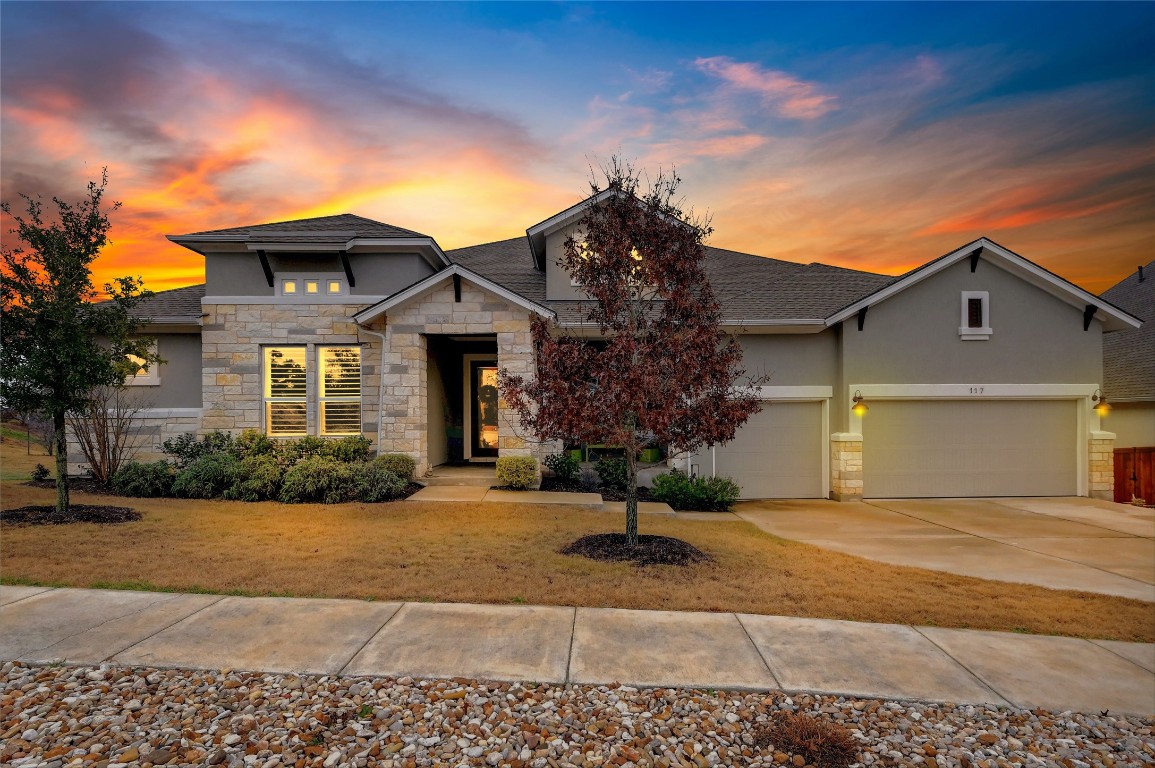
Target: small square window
334,286
289,287
311,286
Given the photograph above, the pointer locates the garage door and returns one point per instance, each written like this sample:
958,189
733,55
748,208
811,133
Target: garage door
969,448
777,454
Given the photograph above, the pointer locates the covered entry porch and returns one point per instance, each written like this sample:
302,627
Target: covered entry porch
444,340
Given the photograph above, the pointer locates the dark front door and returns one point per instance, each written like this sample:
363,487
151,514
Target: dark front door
483,407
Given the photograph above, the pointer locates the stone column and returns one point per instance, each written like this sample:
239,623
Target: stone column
846,466
1101,466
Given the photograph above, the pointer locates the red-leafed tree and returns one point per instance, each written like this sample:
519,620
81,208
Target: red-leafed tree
659,367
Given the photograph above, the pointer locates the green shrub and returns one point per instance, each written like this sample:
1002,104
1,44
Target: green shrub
40,473
702,494
307,447
354,448
258,479
207,477
613,473
518,472
316,479
186,448
375,482
564,467
399,464
253,442
143,480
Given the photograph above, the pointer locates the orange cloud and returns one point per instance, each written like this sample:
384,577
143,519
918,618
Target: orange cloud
789,96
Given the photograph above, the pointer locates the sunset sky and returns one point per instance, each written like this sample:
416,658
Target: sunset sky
873,136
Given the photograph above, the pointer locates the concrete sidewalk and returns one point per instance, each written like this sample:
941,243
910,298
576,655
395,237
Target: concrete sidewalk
580,645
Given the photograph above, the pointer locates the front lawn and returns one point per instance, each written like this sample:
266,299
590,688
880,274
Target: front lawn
497,553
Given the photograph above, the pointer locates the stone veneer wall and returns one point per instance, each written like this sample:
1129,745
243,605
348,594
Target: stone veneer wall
231,339
845,466
405,366
1101,466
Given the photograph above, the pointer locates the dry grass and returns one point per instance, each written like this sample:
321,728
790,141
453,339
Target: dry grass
17,457
496,553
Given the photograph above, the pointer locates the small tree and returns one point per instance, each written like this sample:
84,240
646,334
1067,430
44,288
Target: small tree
56,344
661,367
106,428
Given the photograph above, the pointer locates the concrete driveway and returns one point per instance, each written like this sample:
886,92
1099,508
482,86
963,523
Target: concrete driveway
1063,543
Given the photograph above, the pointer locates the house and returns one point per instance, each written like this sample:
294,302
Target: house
978,371
1129,362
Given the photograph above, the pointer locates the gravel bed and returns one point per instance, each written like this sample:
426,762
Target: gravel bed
111,716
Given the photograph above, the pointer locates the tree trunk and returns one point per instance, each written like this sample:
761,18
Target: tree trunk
61,463
631,496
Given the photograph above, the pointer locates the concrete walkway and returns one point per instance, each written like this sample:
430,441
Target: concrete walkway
1062,543
579,645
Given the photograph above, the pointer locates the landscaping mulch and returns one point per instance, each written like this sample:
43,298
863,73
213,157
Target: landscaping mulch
608,494
77,513
650,550
79,484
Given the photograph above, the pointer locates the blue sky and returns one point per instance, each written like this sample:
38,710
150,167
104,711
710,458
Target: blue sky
871,135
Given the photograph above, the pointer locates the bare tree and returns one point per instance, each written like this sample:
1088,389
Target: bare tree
41,431
107,428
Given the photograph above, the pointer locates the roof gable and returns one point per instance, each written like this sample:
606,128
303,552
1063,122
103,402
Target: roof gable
1129,356
347,225
1112,317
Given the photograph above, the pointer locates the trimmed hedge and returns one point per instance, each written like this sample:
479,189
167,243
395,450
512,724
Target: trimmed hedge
144,480
518,472
399,464
375,483
702,494
318,480
207,477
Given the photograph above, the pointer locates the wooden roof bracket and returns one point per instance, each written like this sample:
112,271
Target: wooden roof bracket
347,267
266,267
1088,314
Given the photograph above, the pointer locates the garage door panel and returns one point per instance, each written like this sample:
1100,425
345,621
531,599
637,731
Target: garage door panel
970,448
777,454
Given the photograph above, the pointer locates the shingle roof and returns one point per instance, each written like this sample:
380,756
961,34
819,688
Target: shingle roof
176,304
750,288
1129,356
319,229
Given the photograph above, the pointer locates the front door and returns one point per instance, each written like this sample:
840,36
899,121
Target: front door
483,407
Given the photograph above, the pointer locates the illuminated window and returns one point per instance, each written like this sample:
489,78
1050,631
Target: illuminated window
303,286
286,391
336,390
145,376
339,399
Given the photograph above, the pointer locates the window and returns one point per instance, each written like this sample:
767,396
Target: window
336,390
340,390
303,286
144,378
975,324
286,391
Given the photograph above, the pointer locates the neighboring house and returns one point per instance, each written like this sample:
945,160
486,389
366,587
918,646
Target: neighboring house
978,368
1129,363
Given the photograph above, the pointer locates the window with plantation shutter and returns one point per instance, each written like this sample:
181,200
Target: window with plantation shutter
339,395
286,391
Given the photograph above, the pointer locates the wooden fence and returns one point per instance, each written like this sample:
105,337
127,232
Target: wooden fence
1135,475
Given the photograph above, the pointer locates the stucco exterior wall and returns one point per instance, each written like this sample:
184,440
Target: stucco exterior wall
913,337
809,359
1132,423
231,374
557,280
179,383
376,274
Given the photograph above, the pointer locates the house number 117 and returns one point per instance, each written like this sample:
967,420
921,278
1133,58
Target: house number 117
977,390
